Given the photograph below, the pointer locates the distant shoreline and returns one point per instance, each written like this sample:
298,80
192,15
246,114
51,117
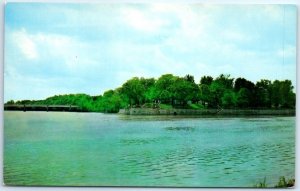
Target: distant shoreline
149,111
157,111
19,107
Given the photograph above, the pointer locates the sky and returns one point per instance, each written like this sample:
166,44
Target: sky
53,49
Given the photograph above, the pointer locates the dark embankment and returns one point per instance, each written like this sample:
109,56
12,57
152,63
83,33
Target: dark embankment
69,108
148,111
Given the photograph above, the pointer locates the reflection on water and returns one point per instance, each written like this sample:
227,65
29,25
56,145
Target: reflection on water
95,149
180,128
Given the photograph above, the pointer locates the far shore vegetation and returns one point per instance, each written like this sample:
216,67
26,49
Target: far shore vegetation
169,91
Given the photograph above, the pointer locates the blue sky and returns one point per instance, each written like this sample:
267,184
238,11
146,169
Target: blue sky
53,49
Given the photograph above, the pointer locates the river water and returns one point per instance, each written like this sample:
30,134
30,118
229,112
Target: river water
93,149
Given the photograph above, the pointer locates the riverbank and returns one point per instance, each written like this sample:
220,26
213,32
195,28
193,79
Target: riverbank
149,111
17,107
157,111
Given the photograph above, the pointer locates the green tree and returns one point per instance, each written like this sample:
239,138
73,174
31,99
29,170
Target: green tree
243,83
218,88
225,81
250,86
134,90
263,93
205,95
288,96
282,94
149,89
165,88
185,90
150,94
11,102
243,98
229,99
189,78
207,80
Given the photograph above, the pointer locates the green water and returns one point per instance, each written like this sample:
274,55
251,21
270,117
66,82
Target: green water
92,149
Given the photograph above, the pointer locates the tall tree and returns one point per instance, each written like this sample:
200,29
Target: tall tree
218,87
282,94
134,90
206,80
205,95
148,86
189,78
225,81
229,99
243,98
185,90
165,88
263,93
243,83
248,94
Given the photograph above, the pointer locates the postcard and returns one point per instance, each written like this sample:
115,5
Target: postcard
149,95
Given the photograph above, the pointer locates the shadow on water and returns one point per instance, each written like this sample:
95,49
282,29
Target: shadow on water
180,128
138,141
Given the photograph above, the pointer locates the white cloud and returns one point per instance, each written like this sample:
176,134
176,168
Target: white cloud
59,46
75,55
57,63
26,44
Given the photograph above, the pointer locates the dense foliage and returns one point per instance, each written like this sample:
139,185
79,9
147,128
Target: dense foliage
182,92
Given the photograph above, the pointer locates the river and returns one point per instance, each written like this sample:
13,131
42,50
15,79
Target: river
94,149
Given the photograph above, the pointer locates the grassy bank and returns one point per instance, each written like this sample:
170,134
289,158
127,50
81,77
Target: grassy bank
282,183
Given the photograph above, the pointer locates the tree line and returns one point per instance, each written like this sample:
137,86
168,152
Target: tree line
170,91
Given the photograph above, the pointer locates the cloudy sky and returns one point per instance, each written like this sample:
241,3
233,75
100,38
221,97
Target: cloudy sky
55,49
